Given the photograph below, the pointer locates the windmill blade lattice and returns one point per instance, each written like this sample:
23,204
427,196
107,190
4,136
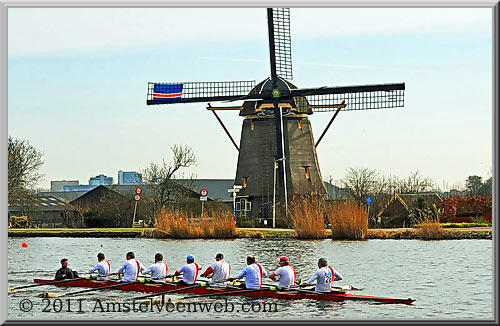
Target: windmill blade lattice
186,92
282,42
350,98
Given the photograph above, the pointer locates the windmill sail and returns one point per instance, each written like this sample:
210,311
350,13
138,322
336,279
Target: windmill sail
282,42
189,92
365,97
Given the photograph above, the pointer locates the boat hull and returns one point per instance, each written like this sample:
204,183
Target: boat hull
277,294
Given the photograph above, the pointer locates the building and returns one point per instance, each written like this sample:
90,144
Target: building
59,185
79,187
45,211
397,210
129,178
100,179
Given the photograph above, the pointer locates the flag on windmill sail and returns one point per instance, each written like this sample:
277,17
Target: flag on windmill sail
167,92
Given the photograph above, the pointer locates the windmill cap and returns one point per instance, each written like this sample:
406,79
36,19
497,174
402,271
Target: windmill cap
283,259
220,255
190,257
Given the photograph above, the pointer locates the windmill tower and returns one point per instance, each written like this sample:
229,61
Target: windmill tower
277,153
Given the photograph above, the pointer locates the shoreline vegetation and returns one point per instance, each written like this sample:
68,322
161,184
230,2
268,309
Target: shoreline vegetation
422,233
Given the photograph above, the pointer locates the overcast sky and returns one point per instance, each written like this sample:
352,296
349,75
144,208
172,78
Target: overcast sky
78,81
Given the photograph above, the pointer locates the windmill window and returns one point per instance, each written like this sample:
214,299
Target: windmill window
251,125
308,174
238,206
248,206
245,182
300,124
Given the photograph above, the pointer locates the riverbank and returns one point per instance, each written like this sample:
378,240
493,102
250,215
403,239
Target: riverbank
402,233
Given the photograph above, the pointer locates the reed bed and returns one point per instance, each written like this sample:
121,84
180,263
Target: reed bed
348,220
181,225
430,229
307,214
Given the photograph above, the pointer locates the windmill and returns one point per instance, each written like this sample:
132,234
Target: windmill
277,153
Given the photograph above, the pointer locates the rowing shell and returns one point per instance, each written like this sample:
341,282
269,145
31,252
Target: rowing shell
288,294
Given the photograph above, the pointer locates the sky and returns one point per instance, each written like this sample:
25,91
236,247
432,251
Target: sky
77,84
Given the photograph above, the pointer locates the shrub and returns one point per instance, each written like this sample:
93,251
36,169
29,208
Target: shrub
307,214
465,206
20,222
348,220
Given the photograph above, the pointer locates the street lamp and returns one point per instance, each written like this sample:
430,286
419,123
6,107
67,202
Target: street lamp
274,189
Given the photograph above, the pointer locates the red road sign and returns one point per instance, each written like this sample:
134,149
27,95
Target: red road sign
137,197
138,190
204,192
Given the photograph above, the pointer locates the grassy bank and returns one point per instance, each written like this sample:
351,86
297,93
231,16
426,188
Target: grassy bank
244,233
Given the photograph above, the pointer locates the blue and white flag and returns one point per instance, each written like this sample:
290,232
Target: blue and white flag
167,92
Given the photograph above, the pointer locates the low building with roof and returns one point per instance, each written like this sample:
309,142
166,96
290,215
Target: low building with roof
44,211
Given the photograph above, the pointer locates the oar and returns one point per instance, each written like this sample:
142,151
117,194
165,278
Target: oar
122,284
50,283
223,293
170,291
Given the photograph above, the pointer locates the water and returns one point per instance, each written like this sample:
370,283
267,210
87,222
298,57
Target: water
450,279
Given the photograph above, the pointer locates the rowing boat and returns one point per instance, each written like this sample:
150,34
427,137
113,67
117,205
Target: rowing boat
264,292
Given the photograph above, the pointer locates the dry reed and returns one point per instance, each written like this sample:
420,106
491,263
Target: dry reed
180,225
429,229
348,220
307,214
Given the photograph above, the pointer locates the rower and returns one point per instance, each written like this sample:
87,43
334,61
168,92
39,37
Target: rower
285,272
102,267
130,268
65,272
189,271
325,276
218,271
253,273
159,269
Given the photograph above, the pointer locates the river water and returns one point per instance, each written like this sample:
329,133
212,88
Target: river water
450,279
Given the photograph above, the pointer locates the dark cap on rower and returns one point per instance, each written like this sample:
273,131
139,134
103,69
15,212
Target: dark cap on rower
220,255
64,260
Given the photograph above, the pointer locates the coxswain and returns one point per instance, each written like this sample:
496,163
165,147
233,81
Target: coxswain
159,269
253,274
218,271
65,272
189,271
285,272
102,267
325,275
130,268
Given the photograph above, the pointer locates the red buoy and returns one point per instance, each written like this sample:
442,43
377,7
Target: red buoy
24,245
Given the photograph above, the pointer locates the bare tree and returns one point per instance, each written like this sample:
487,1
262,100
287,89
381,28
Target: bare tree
159,177
415,183
361,182
24,162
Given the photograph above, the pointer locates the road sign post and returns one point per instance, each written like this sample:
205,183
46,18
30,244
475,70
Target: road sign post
203,198
137,198
369,203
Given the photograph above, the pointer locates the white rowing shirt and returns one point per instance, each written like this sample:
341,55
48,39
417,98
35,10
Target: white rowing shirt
190,272
253,276
103,268
221,271
325,277
286,274
131,269
158,271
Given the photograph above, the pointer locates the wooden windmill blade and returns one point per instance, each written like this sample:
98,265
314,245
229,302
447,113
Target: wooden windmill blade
349,98
191,92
